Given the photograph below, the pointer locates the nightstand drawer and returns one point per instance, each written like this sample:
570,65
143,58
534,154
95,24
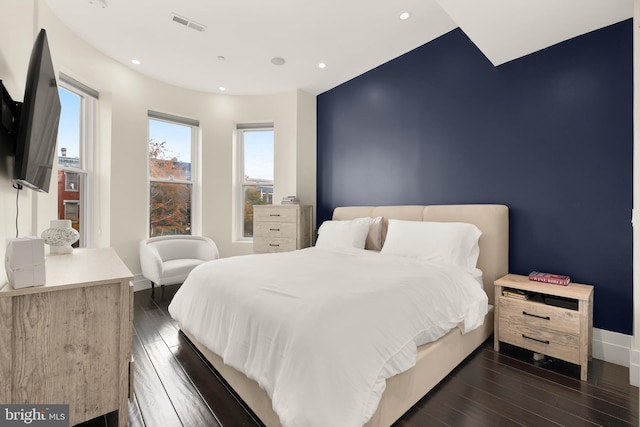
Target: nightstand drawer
276,214
263,245
537,315
552,343
284,230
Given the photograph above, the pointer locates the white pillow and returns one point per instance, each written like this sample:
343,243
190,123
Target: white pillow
452,243
343,234
374,238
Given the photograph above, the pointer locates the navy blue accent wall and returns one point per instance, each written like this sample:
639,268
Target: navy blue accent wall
549,135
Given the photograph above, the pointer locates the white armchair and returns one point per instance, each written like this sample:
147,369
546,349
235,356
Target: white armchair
168,260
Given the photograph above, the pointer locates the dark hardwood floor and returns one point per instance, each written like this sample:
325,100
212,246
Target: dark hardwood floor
175,387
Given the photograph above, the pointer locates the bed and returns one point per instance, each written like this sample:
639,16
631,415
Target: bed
433,361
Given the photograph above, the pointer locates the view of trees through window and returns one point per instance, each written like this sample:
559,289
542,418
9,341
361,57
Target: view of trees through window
257,172
170,180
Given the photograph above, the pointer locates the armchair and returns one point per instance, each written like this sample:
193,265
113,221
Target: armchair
167,260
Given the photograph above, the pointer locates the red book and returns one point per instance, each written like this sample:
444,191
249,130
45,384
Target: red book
555,279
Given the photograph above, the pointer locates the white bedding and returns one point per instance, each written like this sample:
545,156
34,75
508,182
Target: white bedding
319,329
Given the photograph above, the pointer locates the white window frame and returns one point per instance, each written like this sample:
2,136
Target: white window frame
88,109
195,198
241,128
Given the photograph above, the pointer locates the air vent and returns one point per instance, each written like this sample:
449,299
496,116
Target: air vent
196,27
187,22
99,3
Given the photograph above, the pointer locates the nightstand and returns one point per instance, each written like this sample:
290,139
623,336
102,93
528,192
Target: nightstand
281,228
554,320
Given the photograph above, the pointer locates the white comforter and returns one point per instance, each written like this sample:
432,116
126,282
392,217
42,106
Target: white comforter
320,330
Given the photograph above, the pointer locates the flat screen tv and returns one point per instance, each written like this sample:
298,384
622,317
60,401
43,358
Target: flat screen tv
39,116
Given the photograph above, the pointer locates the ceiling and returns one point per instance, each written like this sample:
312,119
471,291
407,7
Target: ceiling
351,37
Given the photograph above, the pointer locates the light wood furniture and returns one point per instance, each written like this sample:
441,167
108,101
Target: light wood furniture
434,360
69,341
282,228
551,330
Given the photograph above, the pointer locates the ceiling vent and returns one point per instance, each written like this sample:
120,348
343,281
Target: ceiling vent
99,3
187,22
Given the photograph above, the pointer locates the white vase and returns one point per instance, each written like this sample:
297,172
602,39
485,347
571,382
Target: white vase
60,236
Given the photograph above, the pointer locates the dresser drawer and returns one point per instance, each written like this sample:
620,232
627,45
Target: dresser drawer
264,245
275,214
283,230
537,315
552,343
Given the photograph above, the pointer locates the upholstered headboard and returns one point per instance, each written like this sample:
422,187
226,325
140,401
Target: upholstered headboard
492,220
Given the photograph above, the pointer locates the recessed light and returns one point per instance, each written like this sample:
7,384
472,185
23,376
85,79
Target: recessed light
405,15
322,65
278,61
135,61
221,58
222,88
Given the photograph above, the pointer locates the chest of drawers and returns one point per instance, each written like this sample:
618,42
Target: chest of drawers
69,341
281,228
556,331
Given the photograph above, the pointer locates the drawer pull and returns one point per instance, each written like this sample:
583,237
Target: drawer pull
535,315
274,229
275,245
535,339
274,214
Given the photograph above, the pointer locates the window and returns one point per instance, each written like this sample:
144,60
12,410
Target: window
171,174
71,181
75,155
255,148
71,210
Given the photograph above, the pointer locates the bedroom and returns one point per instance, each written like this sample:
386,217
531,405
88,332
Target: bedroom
125,99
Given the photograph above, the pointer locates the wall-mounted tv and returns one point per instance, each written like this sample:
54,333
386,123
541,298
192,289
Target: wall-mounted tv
35,121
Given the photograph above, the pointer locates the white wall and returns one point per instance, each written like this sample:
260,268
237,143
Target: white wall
16,31
307,149
125,98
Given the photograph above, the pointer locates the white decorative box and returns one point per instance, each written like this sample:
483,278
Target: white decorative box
24,262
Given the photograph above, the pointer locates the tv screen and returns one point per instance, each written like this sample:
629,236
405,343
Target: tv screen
39,117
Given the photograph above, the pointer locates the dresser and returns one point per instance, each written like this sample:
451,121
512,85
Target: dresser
69,341
549,319
282,228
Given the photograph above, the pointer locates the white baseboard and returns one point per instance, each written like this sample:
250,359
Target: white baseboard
140,283
634,368
617,348
612,347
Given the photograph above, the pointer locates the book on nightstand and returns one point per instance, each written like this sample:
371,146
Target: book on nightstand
555,279
515,293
